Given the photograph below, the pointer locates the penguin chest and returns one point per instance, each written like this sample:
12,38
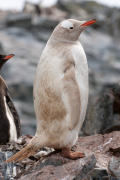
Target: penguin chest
81,75
10,118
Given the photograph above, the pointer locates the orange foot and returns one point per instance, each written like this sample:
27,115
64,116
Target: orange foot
66,152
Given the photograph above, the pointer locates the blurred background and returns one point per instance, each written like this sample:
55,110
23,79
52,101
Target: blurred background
25,27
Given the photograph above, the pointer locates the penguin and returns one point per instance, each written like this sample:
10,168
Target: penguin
60,92
10,129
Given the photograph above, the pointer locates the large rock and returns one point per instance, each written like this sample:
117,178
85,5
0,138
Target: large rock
103,113
19,20
55,167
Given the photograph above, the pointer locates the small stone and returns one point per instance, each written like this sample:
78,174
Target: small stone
114,167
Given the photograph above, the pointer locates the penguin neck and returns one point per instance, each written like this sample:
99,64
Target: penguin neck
59,40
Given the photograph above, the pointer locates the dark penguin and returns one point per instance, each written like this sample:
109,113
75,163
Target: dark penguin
9,119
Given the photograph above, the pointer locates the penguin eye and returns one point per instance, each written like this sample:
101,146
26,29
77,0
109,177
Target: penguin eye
71,27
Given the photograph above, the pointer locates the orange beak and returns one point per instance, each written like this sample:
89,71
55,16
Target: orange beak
88,23
8,57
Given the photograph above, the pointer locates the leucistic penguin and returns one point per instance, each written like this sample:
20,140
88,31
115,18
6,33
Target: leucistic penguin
60,92
9,119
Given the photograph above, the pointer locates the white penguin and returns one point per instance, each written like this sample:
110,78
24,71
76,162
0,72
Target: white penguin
60,92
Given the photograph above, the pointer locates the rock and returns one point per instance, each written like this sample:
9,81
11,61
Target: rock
58,168
19,72
53,166
73,9
30,32
7,171
114,167
103,115
42,22
19,20
100,174
31,8
1,49
54,13
2,52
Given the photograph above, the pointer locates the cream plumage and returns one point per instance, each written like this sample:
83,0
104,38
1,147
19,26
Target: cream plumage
60,91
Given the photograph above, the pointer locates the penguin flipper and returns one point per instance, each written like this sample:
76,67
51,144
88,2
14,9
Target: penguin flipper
14,113
4,125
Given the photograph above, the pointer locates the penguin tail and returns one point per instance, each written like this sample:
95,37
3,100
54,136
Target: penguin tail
26,152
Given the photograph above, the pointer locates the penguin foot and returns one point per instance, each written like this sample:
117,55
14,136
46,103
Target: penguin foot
66,152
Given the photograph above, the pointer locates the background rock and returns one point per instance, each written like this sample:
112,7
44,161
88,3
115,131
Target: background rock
103,113
25,35
19,20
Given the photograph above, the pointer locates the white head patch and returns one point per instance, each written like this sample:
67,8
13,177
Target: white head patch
66,24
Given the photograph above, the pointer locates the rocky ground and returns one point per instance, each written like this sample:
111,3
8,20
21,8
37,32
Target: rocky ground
25,34
101,161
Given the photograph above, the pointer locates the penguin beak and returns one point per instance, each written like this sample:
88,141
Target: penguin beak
8,57
88,23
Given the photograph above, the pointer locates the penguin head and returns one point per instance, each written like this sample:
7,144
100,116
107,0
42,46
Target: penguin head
70,29
4,59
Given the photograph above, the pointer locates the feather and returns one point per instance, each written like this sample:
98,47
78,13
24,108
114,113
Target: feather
24,153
